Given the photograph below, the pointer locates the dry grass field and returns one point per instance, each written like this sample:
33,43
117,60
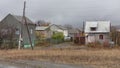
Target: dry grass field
99,58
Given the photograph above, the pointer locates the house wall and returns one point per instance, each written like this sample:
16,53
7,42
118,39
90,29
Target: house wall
11,21
43,34
55,28
26,37
65,33
49,34
95,37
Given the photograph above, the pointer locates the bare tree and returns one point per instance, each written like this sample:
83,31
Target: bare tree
7,37
43,23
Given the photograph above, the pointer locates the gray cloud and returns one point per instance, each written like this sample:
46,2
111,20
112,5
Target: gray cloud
64,11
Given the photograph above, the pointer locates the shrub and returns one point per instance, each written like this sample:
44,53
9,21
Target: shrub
91,44
58,36
96,44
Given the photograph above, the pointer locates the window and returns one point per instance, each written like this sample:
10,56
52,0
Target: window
31,31
93,28
53,32
17,32
100,36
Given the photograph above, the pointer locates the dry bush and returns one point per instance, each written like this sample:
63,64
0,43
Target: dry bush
8,37
95,45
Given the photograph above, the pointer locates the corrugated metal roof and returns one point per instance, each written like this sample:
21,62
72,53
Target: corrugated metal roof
20,18
102,26
73,30
93,24
45,27
41,28
59,26
62,27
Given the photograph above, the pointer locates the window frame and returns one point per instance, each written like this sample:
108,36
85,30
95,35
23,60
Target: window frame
93,28
101,36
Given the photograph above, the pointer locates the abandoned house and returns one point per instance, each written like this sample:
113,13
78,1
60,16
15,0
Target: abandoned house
20,29
96,31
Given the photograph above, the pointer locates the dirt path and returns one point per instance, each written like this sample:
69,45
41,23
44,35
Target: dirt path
12,64
36,64
52,65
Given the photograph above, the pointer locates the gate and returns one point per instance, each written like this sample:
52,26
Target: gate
79,40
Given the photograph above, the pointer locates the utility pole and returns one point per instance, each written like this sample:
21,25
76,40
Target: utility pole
24,18
83,27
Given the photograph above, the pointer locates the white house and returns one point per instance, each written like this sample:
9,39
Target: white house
49,30
96,31
59,28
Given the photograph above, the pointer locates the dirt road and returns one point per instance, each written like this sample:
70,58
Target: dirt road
52,65
36,64
12,64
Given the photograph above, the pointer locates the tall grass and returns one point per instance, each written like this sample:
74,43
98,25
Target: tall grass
100,58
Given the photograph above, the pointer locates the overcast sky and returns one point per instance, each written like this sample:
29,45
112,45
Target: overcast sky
72,12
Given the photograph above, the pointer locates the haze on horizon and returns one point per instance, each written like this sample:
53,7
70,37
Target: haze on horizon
72,12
